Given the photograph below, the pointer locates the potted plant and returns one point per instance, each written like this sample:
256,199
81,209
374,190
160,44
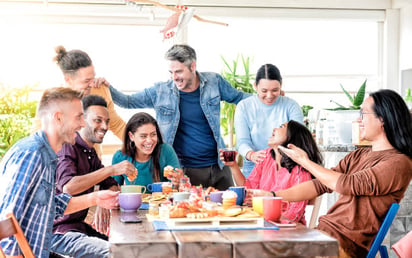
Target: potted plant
338,124
240,81
356,100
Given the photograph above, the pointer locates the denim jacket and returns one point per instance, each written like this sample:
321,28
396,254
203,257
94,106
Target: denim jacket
164,98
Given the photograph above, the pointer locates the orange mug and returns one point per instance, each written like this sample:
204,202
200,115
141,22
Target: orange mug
167,187
273,208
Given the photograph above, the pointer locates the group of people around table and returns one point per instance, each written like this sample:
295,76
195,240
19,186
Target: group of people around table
52,174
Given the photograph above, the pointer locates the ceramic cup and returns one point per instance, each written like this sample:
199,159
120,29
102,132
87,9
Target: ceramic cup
273,208
241,194
180,196
155,187
167,187
133,189
229,154
130,201
216,196
257,204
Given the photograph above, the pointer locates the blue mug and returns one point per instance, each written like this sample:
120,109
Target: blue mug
155,187
241,194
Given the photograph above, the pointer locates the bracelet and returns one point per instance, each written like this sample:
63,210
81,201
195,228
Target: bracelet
274,194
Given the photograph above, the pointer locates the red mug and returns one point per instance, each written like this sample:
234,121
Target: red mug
273,208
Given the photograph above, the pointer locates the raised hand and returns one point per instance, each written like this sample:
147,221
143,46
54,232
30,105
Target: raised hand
227,163
297,154
127,168
174,176
100,82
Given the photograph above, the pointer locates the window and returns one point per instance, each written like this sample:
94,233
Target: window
313,55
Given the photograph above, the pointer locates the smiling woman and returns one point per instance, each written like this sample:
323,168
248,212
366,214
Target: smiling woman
143,146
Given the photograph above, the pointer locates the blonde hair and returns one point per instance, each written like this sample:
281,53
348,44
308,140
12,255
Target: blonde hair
54,96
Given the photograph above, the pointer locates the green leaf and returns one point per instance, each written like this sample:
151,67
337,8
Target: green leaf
347,94
357,102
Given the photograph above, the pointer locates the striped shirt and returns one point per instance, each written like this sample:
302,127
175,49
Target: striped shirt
27,179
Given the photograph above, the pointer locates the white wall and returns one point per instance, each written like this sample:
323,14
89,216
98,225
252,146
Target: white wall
405,49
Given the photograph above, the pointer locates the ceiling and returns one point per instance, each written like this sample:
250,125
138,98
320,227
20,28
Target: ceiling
142,12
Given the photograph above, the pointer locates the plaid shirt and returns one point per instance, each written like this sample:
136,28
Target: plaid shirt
27,178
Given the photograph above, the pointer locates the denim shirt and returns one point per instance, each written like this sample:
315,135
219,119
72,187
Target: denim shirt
28,174
164,98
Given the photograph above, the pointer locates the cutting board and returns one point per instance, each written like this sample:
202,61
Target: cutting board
211,222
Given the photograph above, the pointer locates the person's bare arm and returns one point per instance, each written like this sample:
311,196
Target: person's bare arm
300,192
78,184
105,199
326,176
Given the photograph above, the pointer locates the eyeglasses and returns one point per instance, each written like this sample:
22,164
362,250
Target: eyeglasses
361,113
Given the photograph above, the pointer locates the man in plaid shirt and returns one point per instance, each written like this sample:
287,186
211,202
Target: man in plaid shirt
27,174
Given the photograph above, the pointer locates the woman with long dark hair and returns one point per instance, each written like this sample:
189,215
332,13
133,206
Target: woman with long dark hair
278,171
143,146
368,180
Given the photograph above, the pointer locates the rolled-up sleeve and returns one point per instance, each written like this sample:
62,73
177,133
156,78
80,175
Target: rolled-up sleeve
61,200
66,167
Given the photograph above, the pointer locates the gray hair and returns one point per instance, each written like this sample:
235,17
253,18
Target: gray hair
182,53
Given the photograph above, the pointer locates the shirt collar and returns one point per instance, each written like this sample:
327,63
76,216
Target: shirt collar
82,143
41,137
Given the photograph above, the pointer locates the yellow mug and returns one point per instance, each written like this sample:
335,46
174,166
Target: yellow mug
257,204
133,189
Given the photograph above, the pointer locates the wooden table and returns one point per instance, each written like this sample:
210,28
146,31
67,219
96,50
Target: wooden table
140,240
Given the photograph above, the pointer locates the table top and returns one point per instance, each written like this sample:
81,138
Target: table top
141,240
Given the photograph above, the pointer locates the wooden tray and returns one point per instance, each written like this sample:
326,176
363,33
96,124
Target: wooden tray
214,222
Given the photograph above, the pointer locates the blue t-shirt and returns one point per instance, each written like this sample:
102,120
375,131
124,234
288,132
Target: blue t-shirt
144,169
194,131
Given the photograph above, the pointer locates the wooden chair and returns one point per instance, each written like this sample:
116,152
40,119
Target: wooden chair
10,227
386,224
315,211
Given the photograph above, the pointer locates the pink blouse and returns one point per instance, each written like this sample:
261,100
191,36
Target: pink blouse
266,176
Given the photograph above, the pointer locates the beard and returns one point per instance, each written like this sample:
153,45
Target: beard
91,135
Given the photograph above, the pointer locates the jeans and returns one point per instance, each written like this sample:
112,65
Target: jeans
76,244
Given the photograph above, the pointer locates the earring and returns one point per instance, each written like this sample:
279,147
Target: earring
132,144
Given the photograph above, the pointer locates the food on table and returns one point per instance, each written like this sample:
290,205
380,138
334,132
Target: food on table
197,215
157,196
184,184
181,210
212,209
248,213
232,211
196,198
153,208
167,171
210,189
167,187
228,199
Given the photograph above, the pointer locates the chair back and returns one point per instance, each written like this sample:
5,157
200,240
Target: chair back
377,243
316,202
10,227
